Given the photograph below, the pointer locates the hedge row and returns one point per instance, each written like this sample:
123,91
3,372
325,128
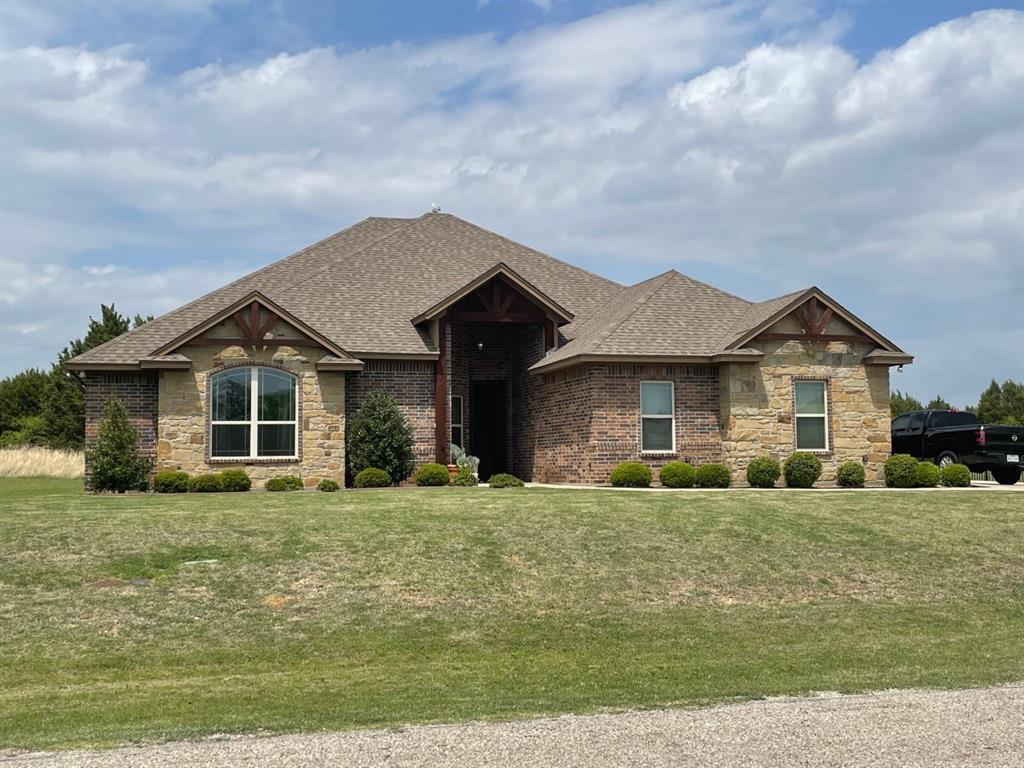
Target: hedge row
228,481
904,471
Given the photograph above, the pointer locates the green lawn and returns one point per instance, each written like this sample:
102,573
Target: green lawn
384,607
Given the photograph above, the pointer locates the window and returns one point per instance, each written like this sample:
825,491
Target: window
657,419
456,437
901,422
253,414
811,416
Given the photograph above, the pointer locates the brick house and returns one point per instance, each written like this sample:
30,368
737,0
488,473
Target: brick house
538,367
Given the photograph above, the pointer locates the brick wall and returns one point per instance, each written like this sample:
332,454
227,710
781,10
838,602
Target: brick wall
138,390
411,383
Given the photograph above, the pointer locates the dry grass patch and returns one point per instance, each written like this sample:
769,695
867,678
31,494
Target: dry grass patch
32,461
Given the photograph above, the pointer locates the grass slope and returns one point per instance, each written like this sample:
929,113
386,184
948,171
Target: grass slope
385,607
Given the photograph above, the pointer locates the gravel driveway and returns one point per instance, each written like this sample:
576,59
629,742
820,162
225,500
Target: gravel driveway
981,727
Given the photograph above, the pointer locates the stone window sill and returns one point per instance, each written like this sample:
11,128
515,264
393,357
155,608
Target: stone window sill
250,460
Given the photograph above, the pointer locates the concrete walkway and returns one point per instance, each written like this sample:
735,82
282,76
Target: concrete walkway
977,728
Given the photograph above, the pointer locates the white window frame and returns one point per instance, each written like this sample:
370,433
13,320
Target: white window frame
823,415
254,421
460,423
671,417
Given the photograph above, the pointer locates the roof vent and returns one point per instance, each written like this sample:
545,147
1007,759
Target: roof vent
435,207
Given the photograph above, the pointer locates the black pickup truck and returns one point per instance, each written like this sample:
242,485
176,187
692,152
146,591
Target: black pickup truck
951,437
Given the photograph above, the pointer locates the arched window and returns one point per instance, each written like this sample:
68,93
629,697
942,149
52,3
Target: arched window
253,414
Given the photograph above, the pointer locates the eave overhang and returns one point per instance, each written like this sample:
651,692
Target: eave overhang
883,357
557,312
332,363
166,362
731,356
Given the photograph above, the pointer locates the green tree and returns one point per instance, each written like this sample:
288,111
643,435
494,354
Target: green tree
938,403
113,460
379,436
1002,404
900,402
21,406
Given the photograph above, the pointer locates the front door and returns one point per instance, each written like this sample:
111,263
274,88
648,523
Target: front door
488,426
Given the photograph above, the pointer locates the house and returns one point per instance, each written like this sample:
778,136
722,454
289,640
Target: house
538,367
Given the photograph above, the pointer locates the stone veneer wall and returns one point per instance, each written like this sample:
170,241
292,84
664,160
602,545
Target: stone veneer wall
757,405
411,383
184,415
138,390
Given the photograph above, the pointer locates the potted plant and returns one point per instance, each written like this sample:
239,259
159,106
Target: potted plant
462,459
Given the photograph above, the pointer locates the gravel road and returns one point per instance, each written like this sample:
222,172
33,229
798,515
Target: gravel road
981,727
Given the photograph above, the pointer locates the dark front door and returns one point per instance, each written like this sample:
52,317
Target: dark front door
487,426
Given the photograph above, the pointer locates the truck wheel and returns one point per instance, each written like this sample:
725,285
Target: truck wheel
1006,475
946,458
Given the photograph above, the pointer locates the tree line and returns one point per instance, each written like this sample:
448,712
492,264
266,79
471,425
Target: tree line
998,404
47,408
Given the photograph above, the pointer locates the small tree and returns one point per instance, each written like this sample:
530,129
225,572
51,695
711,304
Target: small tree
379,436
114,458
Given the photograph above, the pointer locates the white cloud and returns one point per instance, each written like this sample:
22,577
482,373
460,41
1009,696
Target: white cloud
728,140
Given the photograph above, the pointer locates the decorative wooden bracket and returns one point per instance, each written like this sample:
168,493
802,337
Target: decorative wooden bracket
814,318
253,332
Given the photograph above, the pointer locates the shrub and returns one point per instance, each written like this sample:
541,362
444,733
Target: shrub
502,480
210,483
926,475
713,476
285,483
900,471
677,474
763,471
955,476
371,477
432,474
379,436
114,457
850,474
170,481
802,470
327,485
465,478
630,474
235,480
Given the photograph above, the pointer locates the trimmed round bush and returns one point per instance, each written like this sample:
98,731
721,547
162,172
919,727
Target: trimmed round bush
802,470
850,474
926,475
900,471
285,483
327,485
206,483
235,480
677,474
432,474
170,481
372,477
955,476
502,480
763,471
630,474
713,476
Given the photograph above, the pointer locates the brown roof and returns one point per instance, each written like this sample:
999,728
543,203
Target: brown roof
362,288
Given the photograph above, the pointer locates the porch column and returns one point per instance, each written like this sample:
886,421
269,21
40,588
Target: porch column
441,394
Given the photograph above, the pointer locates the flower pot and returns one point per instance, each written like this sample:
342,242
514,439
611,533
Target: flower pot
453,470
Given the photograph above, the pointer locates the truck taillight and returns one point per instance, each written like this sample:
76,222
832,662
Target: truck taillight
979,436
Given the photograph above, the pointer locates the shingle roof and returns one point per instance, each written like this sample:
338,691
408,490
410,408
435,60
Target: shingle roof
362,287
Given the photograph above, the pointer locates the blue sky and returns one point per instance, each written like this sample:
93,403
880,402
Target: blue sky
153,151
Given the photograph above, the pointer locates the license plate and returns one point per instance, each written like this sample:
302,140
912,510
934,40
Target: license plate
1012,458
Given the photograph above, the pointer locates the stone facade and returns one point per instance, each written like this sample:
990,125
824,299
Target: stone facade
757,405
137,390
184,414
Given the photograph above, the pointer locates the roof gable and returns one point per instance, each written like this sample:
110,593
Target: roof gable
815,312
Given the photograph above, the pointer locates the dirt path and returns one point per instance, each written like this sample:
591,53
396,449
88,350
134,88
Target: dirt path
981,727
